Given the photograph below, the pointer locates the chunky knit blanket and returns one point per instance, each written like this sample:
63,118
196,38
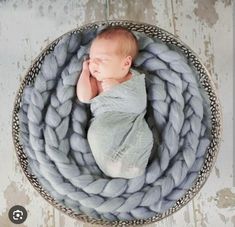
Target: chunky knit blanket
53,132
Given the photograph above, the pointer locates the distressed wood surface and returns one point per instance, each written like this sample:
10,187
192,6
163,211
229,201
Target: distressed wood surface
27,26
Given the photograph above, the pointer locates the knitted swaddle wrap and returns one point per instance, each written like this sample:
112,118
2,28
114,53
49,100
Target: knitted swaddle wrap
53,129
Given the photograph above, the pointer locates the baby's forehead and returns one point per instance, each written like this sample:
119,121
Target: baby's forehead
104,46
107,41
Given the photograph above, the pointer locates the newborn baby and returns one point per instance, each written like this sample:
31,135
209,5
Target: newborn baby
119,136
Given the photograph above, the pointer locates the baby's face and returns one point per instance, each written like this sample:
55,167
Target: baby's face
105,62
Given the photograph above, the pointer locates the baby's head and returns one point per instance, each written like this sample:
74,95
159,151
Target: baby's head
112,53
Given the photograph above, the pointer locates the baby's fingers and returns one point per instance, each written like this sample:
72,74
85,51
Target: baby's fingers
85,64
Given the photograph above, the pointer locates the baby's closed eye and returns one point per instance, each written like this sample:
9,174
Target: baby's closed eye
98,60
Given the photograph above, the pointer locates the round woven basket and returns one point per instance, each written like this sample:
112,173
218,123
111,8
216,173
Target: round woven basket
206,82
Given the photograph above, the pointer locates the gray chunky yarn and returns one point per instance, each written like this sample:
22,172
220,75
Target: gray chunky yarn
54,125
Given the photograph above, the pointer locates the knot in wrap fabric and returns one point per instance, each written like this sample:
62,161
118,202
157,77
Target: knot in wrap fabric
119,136
53,132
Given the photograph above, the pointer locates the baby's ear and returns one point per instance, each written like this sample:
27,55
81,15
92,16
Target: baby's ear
128,61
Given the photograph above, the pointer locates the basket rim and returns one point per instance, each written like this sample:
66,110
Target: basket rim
85,218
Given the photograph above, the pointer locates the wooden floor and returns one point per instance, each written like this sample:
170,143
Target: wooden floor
27,26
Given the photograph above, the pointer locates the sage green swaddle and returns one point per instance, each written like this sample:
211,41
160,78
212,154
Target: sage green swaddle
119,136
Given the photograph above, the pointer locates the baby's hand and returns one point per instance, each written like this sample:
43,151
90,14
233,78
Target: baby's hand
107,84
85,66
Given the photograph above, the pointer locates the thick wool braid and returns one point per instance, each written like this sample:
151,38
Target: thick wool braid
40,93
198,116
138,195
172,80
189,163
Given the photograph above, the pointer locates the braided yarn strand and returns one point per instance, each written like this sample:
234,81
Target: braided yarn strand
54,126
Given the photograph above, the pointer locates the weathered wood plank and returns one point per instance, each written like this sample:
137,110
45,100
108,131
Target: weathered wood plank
26,27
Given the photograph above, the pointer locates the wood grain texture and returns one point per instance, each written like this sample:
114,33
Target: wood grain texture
27,26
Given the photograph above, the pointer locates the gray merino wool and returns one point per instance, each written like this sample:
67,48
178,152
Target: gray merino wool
54,124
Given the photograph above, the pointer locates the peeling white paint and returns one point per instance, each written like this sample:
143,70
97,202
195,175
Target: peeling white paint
28,26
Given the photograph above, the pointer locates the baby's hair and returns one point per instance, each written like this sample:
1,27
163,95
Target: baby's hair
129,43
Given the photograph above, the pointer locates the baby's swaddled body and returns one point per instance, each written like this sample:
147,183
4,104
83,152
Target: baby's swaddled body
119,136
